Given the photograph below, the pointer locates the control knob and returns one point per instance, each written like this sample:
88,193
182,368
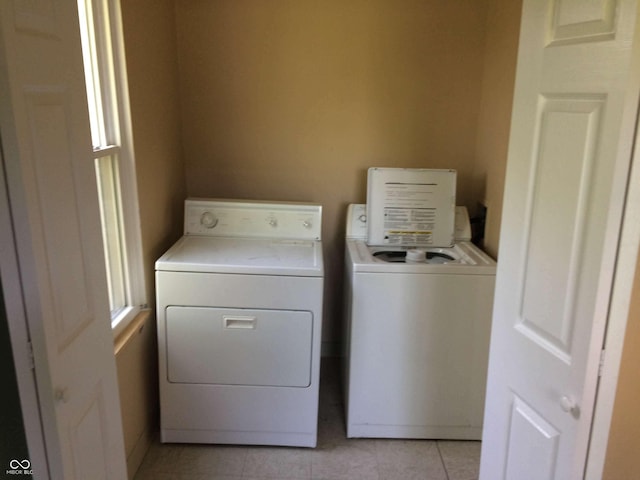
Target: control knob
208,220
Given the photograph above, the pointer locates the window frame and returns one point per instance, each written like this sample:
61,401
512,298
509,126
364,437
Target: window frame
116,139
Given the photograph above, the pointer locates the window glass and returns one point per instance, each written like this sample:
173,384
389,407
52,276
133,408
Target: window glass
113,156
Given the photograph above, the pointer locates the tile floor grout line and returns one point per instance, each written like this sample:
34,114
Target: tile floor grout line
444,465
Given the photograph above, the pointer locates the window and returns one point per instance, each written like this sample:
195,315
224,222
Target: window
113,156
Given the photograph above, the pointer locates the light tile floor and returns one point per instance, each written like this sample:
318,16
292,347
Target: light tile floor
335,457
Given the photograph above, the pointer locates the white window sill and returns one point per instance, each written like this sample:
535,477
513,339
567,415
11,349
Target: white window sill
122,319
134,326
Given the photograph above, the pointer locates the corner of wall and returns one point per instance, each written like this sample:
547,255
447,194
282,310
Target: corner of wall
494,118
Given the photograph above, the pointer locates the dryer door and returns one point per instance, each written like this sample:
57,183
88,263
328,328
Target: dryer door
239,346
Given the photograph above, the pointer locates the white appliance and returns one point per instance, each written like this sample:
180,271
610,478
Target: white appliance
239,310
417,335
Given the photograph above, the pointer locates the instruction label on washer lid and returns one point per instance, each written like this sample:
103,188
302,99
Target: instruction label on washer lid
411,207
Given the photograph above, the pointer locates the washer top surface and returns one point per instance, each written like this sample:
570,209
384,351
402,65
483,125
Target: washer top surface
462,258
248,237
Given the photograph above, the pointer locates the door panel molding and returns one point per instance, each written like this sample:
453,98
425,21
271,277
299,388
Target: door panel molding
530,434
552,254
576,21
49,116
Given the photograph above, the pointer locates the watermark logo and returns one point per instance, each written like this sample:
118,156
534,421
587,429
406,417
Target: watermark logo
19,467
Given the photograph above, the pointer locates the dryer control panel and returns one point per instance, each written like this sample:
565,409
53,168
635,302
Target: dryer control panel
238,218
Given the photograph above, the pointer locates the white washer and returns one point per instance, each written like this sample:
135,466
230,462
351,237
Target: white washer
417,336
239,307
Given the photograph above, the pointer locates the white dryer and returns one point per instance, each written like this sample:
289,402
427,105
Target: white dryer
417,335
239,311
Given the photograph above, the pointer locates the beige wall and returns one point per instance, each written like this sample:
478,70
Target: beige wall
295,99
494,121
149,31
622,459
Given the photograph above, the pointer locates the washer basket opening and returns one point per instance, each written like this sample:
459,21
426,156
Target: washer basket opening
394,256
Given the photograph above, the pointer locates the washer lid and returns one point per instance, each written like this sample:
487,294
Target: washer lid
251,256
411,207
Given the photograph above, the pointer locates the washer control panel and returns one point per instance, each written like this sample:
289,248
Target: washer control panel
357,221
237,218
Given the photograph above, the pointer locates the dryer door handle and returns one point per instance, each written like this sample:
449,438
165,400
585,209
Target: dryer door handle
239,322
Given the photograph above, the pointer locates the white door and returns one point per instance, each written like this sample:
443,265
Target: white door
52,194
569,154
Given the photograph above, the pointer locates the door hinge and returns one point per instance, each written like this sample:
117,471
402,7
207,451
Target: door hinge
601,364
32,364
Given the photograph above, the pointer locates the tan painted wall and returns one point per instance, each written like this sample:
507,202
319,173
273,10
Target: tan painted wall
494,121
295,99
149,31
622,460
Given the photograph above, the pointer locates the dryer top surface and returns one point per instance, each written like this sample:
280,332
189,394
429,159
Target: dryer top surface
253,256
